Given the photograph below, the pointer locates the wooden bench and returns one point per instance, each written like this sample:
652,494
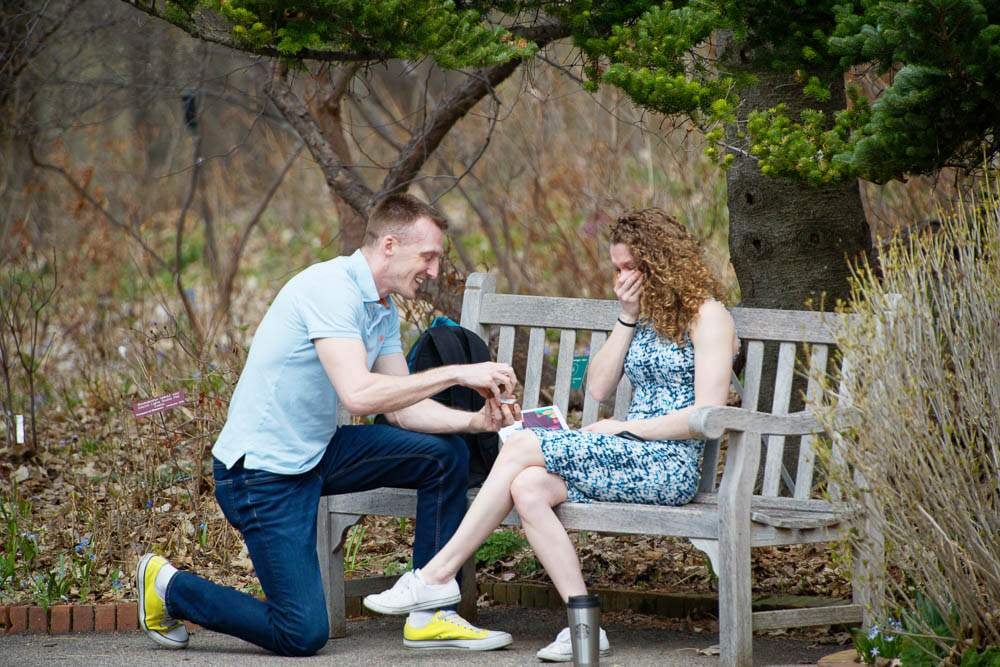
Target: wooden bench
746,510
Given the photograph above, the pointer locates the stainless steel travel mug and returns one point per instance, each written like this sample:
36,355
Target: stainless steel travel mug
584,612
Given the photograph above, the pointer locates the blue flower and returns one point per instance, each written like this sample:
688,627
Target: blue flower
149,504
202,526
82,544
873,633
116,584
874,651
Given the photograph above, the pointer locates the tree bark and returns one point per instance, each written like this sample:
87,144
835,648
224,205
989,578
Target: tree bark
790,243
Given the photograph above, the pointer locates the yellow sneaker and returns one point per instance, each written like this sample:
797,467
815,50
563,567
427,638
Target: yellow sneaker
153,616
446,629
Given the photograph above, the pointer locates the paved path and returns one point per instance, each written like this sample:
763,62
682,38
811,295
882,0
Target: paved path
379,642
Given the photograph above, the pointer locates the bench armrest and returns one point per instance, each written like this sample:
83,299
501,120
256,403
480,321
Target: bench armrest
710,422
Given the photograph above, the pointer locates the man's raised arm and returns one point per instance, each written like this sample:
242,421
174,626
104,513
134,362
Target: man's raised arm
364,392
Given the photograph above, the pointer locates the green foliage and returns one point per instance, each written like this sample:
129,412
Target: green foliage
407,29
352,548
499,545
20,545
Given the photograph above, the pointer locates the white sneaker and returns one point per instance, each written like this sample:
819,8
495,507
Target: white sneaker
561,650
411,594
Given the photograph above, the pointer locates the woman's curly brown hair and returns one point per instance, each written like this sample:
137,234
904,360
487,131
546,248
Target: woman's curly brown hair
676,280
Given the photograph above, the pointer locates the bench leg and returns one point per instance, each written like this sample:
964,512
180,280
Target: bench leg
735,603
330,535
470,592
868,580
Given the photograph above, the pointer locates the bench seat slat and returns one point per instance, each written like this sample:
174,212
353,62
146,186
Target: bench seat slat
694,520
797,618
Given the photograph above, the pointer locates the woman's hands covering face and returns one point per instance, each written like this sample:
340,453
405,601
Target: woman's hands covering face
628,289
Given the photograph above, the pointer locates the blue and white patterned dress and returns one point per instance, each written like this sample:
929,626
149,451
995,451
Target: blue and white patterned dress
597,466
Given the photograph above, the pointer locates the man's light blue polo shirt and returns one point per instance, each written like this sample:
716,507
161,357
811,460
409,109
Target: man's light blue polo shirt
284,409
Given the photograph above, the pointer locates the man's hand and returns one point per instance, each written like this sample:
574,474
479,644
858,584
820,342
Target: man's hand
490,379
494,416
606,426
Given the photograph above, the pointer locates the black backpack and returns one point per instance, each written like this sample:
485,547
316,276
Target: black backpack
448,344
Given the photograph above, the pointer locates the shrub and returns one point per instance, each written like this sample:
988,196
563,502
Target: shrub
924,359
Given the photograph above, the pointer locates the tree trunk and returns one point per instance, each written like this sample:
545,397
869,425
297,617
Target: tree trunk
790,242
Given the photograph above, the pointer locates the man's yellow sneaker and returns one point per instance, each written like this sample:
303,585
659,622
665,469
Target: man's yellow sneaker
153,616
447,629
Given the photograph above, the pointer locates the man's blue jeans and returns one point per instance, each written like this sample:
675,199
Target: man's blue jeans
276,514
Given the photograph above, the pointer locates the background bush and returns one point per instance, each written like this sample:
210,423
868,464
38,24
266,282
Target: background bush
924,369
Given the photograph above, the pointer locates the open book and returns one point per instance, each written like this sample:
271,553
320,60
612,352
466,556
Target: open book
549,417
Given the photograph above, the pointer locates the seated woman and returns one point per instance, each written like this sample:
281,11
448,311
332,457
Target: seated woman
676,342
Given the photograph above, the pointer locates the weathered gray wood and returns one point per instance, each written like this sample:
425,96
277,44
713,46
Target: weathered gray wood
735,595
696,519
751,376
797,618
623,397
709,466
467,608
505,347
550,312
355,588
735,491
795,520
324,552
564,369
591,406
818,358
477,286
837,441
713,421
787,325
782,396
564,313
533,371
336,599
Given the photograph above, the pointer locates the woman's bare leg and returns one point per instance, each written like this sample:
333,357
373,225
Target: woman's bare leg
535,492
491,505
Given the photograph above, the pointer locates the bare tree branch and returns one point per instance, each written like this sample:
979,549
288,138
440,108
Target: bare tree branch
453,108
340,177
237,254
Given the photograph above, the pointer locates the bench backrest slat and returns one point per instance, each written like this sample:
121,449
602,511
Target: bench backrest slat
564,368
774,458
533,371
505,347
484,310
591,406
818,357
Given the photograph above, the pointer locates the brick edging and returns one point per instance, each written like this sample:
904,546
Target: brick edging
64,619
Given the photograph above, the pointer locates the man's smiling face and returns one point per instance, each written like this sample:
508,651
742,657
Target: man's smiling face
416,257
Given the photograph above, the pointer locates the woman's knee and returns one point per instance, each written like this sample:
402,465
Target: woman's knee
521,448
530,491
